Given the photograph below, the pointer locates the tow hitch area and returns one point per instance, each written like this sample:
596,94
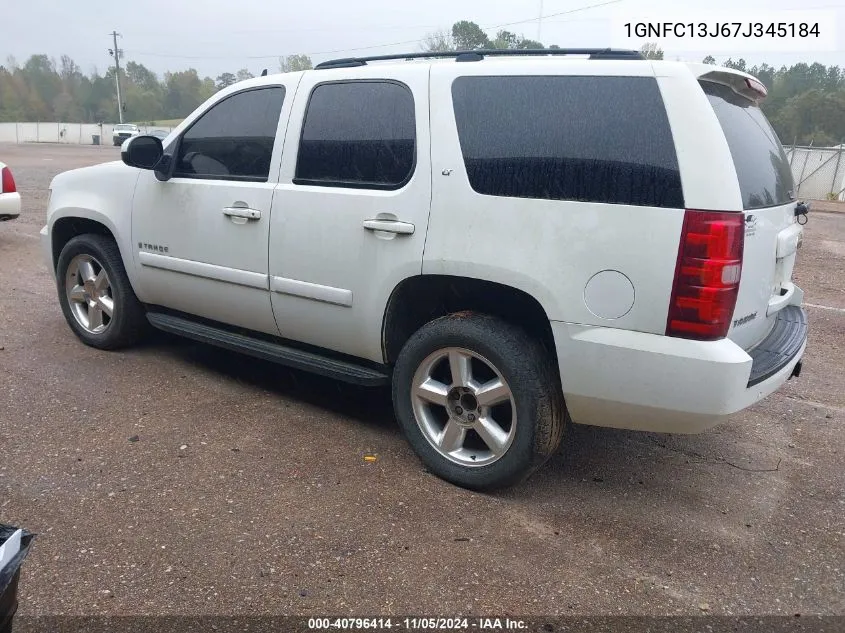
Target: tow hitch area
796,371
801,211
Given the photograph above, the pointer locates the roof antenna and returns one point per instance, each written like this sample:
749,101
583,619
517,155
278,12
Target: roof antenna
264,73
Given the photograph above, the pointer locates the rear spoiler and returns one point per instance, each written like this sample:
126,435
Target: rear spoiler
741,83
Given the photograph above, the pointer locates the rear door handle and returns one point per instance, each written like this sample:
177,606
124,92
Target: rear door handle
240,215
389,226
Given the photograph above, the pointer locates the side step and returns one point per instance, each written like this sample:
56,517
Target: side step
273,352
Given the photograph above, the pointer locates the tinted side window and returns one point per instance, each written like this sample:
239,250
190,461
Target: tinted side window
765,178
358,134
597,139
234,139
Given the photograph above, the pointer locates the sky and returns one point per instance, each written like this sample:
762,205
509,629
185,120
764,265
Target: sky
216,36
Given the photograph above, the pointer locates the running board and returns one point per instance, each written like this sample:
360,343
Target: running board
273,352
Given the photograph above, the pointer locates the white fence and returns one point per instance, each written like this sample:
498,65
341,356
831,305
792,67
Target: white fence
57,132
819,172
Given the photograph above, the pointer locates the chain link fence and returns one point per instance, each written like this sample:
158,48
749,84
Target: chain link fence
819,172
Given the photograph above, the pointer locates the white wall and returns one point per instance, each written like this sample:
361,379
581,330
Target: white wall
57,132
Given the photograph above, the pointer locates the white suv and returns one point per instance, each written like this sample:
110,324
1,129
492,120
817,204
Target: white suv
508,240
123,131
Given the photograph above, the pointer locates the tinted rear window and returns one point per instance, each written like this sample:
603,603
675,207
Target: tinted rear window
597,139
358,134
765,178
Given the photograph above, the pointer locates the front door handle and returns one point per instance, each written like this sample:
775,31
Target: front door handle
240,215
389,226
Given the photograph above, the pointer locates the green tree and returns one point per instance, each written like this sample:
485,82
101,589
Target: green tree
505,40
709,60
142,77
183,93
736,65
244,74
468,36
294,63
225,80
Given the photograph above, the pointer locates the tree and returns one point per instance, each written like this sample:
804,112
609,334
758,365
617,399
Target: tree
243,74
142,77
736,65
468,36
505,40
650,50
294,63
183,93
527,44
815,116
438,42
225,80
805,101
709,60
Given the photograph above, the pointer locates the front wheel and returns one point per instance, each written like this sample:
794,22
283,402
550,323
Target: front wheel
479,400
95,294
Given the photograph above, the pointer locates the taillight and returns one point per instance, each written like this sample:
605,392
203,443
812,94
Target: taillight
706,275
8,182
756,86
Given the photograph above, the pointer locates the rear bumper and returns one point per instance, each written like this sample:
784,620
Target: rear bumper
648,382
10,205
780,347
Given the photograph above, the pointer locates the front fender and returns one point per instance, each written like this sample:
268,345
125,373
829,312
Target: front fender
101,194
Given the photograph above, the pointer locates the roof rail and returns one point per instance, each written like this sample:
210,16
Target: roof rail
478,55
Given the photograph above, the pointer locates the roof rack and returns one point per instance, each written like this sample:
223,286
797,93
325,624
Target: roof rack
478,55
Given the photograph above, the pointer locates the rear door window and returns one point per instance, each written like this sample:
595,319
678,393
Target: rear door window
765,178
358,134
593,139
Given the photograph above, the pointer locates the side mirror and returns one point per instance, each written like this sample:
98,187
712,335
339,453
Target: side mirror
143,152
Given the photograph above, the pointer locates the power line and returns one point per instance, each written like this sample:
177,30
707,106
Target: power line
367,48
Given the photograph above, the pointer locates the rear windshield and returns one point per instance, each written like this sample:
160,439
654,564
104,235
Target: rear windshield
590,139
765,178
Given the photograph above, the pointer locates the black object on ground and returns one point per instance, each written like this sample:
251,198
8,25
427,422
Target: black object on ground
10,576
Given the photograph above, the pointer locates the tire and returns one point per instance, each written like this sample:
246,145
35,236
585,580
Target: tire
127,323
501,355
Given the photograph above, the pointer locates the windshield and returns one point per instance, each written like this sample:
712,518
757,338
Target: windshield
125,127
765,178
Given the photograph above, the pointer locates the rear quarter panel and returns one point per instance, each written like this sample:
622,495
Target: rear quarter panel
547,248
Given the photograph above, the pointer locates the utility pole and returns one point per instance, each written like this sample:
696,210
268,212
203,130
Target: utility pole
540,24
116,53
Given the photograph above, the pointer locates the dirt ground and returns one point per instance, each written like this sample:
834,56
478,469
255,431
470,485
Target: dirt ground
180,479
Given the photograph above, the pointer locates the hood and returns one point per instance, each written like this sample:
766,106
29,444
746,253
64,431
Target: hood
95,173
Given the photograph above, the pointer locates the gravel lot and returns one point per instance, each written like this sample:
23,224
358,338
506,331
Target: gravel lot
246,490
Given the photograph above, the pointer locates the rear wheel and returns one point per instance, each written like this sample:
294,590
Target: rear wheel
478,400
95,294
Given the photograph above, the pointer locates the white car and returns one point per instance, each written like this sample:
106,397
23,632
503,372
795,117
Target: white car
123,131
10,199
509,241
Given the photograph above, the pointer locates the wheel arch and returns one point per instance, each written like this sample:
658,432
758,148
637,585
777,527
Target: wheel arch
422,298
66,227
67,223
